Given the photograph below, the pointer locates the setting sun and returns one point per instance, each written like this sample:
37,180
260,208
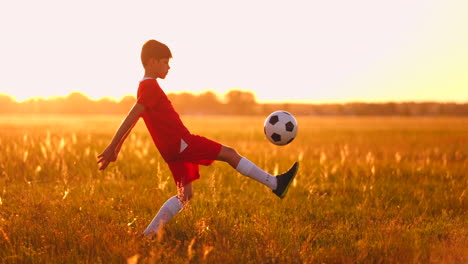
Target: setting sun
299,51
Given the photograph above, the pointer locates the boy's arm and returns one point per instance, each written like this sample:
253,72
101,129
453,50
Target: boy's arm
111,152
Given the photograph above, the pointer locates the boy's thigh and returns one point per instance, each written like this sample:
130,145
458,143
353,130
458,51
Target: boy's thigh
200,150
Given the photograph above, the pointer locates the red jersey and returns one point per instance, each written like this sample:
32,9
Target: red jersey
161,119
181,150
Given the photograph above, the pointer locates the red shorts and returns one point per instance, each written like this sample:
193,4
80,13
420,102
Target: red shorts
194,150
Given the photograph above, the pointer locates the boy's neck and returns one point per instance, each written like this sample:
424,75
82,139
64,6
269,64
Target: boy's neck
149,74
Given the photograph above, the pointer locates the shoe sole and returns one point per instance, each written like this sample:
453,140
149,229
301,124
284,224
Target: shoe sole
292,179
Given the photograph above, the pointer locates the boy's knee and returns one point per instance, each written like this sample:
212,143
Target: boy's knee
185,195
228,153
230,156
184,199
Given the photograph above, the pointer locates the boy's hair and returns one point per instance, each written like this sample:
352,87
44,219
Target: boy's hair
154,49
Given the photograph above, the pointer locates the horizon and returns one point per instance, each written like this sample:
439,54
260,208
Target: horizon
299,51
221,98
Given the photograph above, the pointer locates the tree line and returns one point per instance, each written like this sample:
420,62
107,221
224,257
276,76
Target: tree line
236,102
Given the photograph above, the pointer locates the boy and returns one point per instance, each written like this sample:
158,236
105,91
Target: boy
182,151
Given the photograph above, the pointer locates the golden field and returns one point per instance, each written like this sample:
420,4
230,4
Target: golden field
369,190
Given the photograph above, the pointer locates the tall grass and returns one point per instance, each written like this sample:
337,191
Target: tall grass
369,190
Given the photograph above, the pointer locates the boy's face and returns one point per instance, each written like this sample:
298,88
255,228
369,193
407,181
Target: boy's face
160,67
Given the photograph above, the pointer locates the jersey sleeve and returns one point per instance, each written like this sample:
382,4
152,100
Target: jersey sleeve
148,95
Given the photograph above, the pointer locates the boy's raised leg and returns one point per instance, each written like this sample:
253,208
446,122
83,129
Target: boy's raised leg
285,180
249,169
279,184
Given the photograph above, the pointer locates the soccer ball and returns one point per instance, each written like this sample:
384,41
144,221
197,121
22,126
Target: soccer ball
280,128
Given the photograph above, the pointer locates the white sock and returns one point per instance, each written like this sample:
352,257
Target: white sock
170,208
247,168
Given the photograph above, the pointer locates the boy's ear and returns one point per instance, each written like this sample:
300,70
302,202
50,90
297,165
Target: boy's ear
153,61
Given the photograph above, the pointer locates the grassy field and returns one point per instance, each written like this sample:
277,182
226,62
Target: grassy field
369,190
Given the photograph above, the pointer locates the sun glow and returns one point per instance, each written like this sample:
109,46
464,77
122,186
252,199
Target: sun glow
300,52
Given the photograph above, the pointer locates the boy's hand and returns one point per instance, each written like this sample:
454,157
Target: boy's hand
109,155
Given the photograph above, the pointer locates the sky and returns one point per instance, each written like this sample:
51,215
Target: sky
283,51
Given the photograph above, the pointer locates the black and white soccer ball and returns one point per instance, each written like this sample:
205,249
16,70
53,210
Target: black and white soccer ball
280,128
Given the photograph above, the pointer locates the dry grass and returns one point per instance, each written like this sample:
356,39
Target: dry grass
369,190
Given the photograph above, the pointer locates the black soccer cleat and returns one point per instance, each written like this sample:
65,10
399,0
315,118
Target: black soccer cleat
285,180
